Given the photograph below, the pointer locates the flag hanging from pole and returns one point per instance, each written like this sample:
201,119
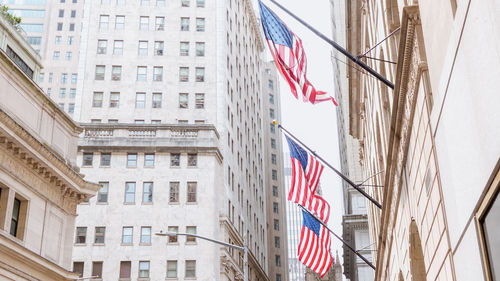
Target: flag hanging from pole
289,56
314,246
306,171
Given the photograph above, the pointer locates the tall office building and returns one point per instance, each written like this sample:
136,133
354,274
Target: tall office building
275,184
53,28
355,219
169,93
296,270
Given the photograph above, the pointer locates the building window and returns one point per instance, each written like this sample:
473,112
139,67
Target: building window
59,26
143,48
277,258
175,159
58,40
270,84
100,232
278,277
160,23
276,242
184,74
127,235
144,269
158,73
183,100
114,100
87,159
140,100
78,268
185,3
105,159
102,46
200,24
184,24
131,159
116,72
275,208
70,40
171,269
71,107
81,235
159,48
97,99
149,160
271,99
125,268
200,3
73,13
103,22
192,160
273,128
120,22
142,73
190,230
102,195
273,143
144,2
276,224
271,113
200,74
130,192
273,159
72,93
275,191
200,101
56,55
62,93
173,239
174,192
118,47
274,175
191,192
143,23
184,49
99,72
146,235
64,78
74,78
156,103
160,3
190,269
71,27
147,192
97,269
200,49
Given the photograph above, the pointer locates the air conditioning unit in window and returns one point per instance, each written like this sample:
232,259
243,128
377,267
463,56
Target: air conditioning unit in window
159,52
160,27
101,51
115,77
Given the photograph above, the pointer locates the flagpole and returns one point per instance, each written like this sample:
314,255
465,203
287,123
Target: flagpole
338,47
340,238
351,183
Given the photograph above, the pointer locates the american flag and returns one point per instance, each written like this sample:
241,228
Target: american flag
289,56
306,171
314,246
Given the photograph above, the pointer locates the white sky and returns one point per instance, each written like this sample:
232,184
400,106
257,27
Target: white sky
315,125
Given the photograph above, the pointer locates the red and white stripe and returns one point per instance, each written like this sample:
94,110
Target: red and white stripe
314,251
301,191
292,64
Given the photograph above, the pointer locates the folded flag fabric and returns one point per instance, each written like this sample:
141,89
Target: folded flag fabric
289,56
306,171
314,246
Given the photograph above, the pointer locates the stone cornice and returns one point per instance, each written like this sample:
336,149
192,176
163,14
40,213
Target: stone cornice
255,24
43,160
405,93
35,92
12,249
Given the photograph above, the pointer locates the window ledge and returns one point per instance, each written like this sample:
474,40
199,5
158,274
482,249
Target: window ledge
173,243
80,244
191,203
147,203
128,203
173,203
145,244
102,203
99,244
126,244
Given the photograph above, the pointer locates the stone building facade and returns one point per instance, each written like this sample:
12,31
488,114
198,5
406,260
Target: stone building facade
40,184
435,135
355,217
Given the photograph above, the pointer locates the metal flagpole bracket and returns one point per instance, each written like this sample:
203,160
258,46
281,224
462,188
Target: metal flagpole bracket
346,179
339,238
